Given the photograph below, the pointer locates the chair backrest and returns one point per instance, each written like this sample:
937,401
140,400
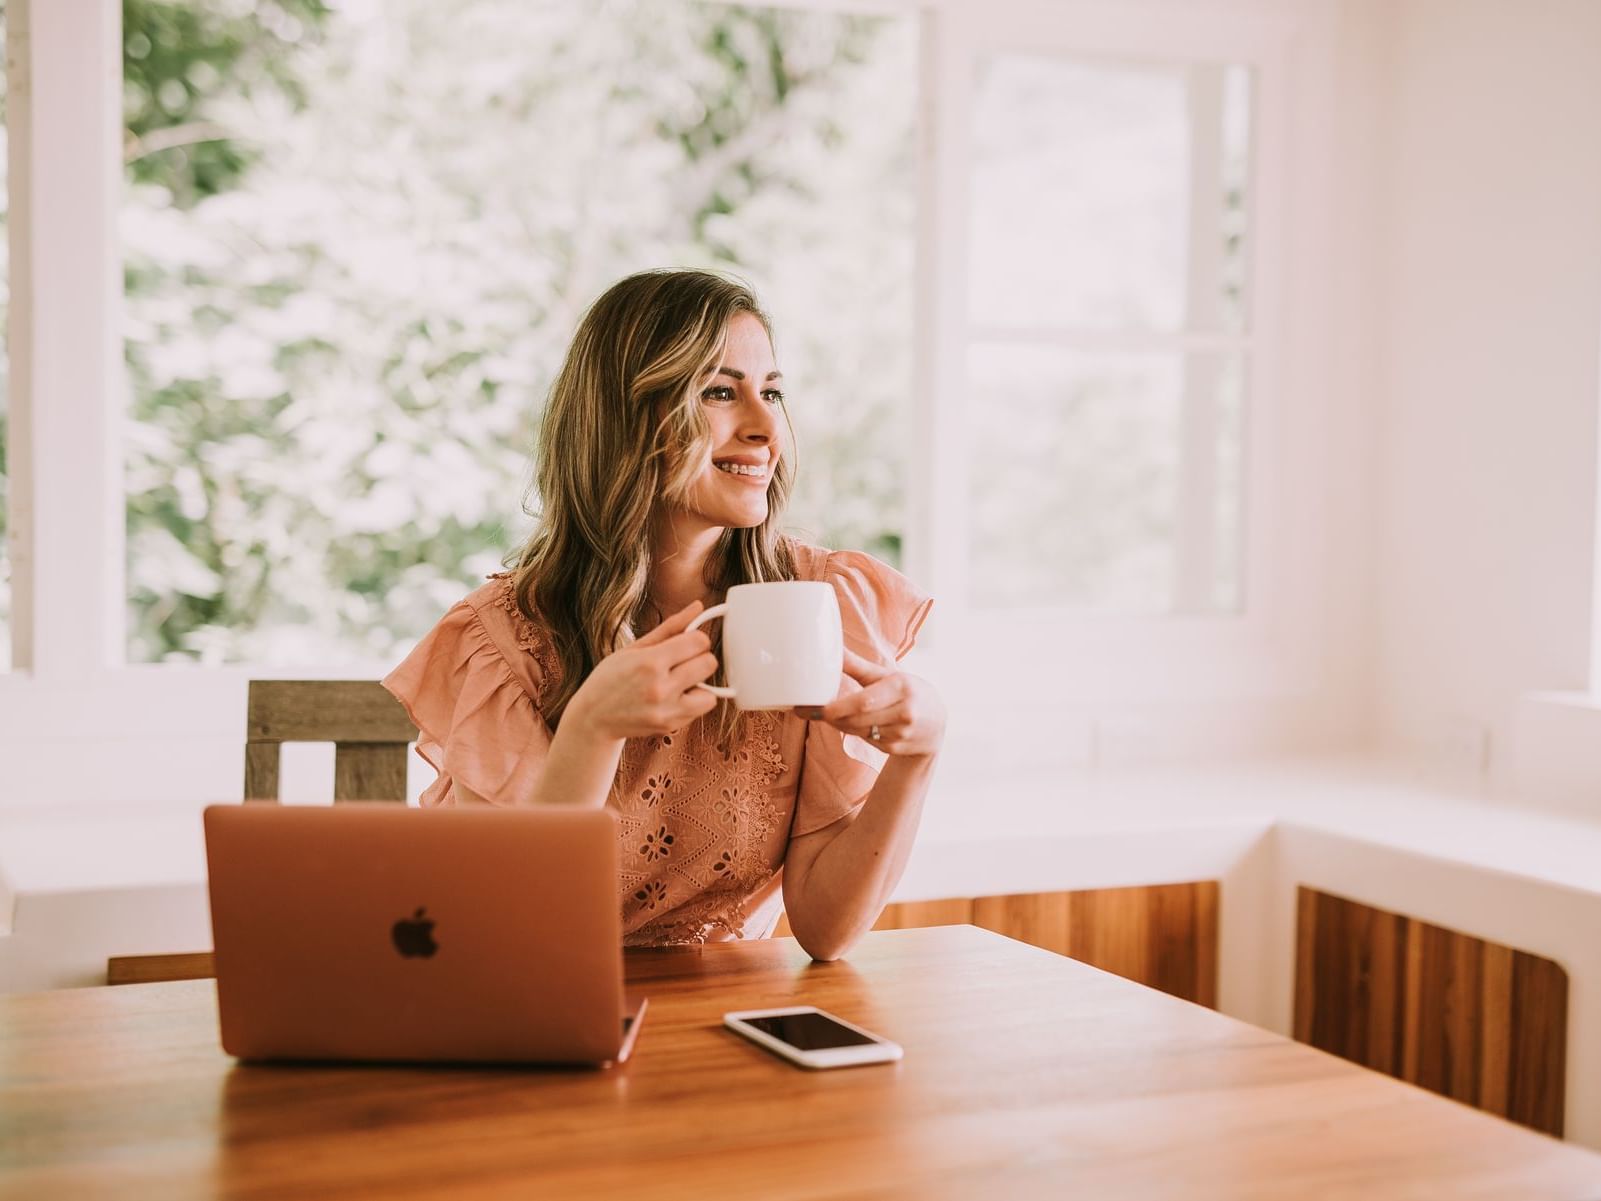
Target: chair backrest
368,727
370,732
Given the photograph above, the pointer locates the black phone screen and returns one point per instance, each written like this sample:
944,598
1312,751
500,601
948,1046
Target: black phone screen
809,1031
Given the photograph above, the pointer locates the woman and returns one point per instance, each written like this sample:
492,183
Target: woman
571,680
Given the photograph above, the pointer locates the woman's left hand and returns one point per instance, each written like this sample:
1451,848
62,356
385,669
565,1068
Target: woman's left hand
900,714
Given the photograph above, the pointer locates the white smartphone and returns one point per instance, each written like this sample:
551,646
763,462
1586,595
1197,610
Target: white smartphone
806,1035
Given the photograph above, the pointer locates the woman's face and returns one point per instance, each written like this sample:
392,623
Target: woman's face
743,405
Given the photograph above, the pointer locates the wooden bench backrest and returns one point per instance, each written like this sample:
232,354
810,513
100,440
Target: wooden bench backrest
368,727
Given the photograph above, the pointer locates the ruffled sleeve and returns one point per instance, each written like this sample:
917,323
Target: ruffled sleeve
477,722
880,613
880,610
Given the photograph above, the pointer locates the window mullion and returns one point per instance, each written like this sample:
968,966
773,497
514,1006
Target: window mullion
1595,577
941,481
64,114
1195,519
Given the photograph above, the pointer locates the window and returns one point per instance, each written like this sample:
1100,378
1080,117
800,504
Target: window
1108,334
358,238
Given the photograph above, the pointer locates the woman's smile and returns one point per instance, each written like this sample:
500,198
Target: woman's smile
745,470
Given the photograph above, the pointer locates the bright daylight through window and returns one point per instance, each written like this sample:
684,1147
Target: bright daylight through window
1109,335
358,236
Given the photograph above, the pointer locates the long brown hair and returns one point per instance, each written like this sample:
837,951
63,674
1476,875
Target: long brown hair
623,435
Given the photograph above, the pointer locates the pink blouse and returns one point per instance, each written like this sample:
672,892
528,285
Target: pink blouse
702,835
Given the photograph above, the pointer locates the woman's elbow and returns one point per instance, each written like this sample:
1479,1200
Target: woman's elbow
821,952
823,945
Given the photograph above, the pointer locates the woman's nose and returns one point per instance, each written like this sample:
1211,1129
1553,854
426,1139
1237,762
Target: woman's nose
761,424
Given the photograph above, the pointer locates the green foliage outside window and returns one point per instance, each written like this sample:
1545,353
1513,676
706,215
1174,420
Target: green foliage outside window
358,237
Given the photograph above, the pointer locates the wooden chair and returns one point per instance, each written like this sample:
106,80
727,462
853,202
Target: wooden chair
370,732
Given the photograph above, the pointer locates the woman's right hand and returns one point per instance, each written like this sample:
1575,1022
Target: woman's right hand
648,687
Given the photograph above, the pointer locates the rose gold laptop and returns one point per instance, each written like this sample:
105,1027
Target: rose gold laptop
380,932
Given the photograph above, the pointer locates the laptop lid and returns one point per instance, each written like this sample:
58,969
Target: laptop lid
381,932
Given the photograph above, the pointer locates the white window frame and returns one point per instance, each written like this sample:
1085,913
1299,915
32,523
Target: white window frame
1067,658
1594,682
72,687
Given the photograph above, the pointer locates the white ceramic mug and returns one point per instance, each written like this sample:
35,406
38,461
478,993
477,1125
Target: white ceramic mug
782,644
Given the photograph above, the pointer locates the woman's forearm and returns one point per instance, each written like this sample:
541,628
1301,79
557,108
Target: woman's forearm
581,764
843,889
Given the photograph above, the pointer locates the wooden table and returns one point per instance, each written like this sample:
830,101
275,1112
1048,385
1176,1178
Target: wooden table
1026,1075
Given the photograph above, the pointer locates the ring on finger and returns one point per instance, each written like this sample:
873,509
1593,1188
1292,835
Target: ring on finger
873,734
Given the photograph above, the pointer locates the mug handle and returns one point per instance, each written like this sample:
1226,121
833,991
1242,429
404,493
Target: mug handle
714,611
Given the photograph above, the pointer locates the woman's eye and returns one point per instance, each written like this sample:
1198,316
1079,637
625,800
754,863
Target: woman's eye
718,392
773,396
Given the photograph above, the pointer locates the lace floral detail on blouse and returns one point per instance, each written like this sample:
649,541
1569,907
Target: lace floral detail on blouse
529,635
696,840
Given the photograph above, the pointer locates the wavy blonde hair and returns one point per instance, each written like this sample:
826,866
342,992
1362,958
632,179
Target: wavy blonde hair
623,437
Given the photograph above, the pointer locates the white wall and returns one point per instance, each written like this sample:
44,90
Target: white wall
1489,311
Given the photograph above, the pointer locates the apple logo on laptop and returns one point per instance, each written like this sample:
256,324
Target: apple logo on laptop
414,936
